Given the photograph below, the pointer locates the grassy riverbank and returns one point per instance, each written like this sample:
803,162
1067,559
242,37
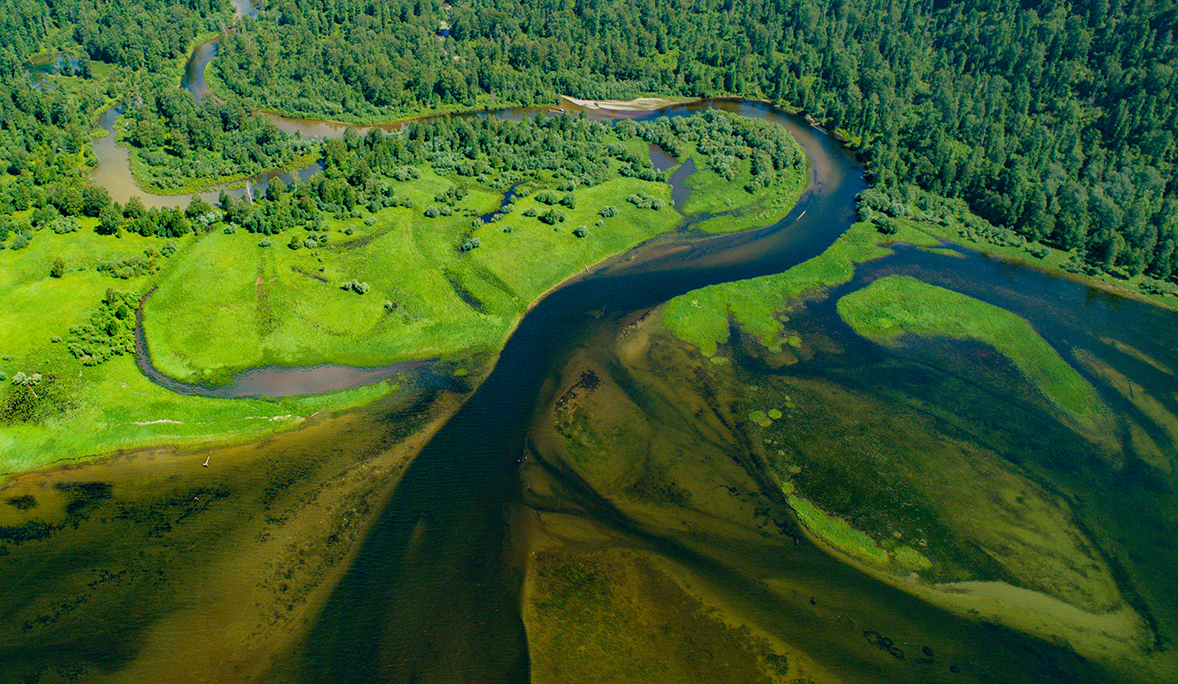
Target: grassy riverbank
1055,260
83,410
711,193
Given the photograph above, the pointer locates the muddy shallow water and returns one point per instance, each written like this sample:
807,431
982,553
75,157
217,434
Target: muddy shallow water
642,452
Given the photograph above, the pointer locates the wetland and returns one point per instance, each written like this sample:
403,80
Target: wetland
702,458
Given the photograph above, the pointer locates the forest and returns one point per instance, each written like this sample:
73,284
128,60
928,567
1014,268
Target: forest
1053,119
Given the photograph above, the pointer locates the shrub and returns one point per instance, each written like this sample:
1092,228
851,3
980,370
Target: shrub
355,286
645,201
350,230
209,218
370,221
445,210
231,229
20,241
405,173
608,211
473,243
552,217
547,197
3,376
168,249
431,211
58,269
109,331
569,200
530,212
265,242
599,223
887,227
294,243
66,224
452,195
129,267
311,242
580,231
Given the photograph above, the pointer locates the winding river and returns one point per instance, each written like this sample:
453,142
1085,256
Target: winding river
432,592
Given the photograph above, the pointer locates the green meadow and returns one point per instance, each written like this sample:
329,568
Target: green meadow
365,288
232,305
95,409
897,305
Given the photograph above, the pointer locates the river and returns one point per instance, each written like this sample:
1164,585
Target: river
145,557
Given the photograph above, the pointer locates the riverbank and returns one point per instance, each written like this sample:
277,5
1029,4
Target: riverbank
1056,262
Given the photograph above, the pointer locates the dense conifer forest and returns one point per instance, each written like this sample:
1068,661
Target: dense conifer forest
1054,119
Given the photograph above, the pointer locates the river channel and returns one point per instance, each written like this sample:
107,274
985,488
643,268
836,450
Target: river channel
393,543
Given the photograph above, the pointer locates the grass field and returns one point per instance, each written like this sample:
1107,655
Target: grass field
896,305
232,305
111,405
701,317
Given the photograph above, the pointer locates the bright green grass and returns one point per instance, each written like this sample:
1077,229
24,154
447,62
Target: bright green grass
837,533
701,317
34,307
223,304
855,543
711,194
109,400
896,305
231,305
117,407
